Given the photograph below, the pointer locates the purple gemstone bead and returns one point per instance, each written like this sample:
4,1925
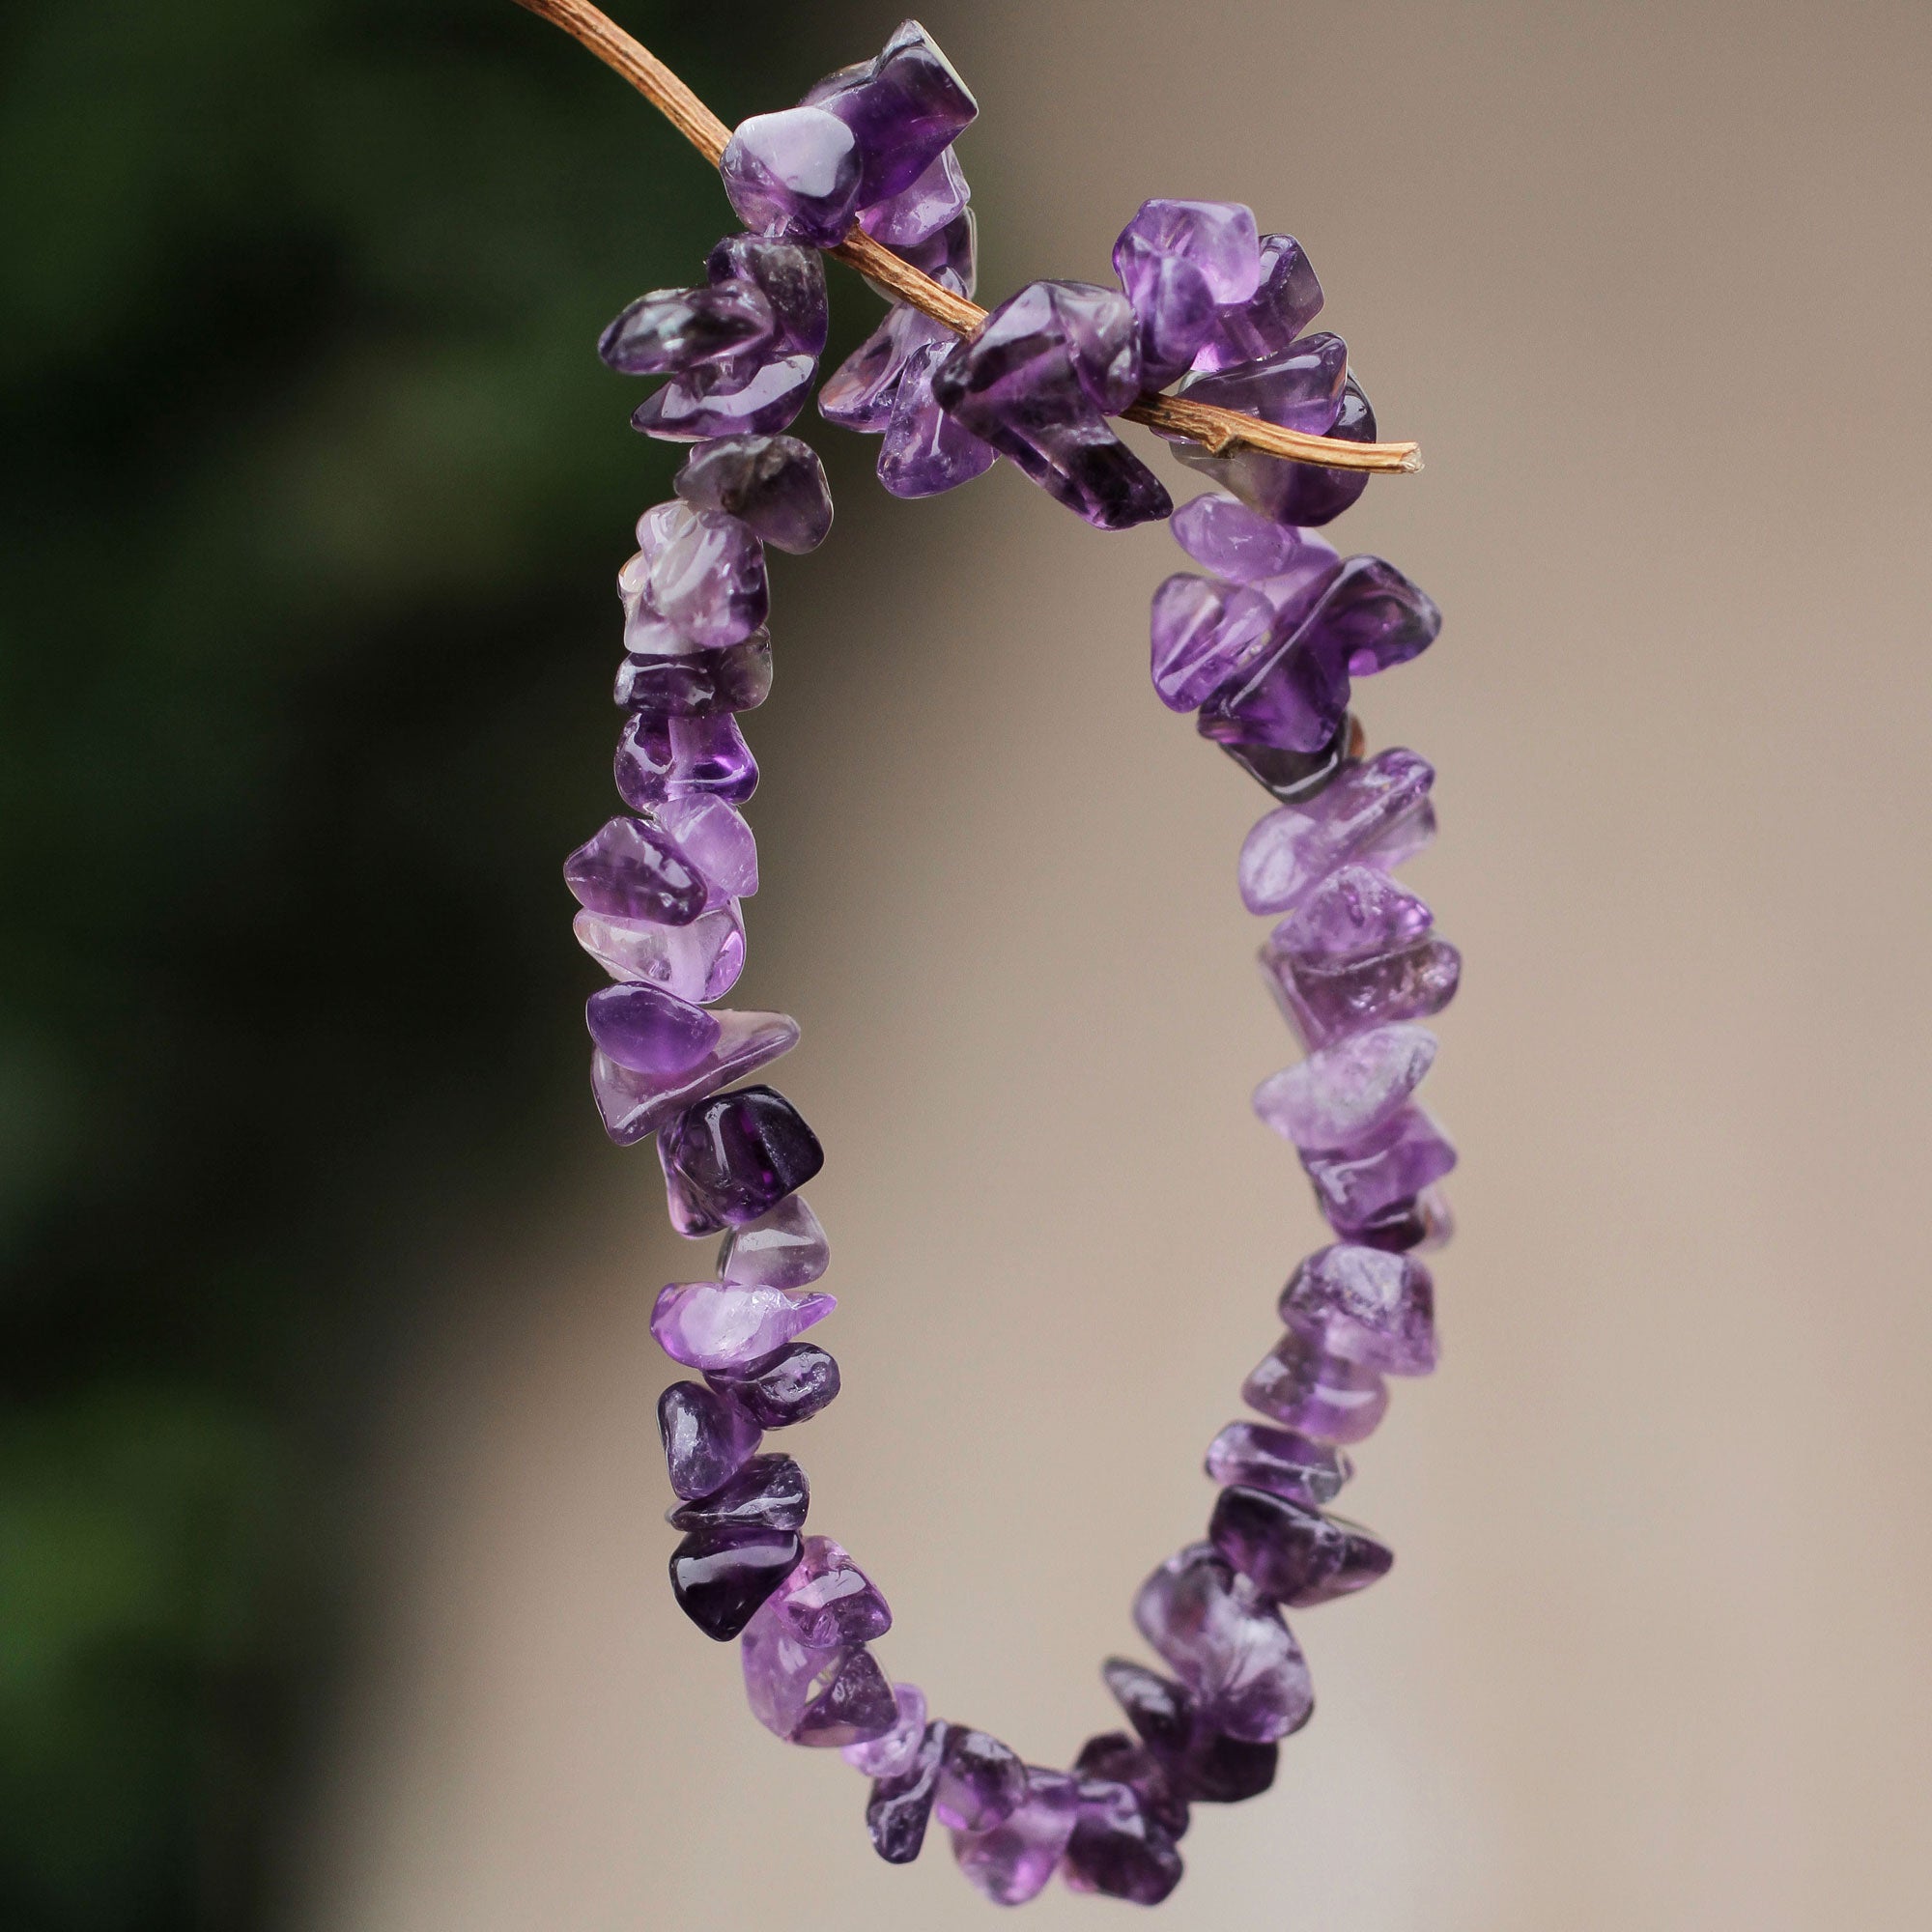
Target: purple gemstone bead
632,870
704,575
1369,617
827,1698
1012,1862
1203,1765
1299,389
1115,1849
671,330
1218,237
952,257
1228,1646
925,450
900,1803
648,1030
1227,538
859,394
905,109
635,1104
791,1386
922,210
1293,697
784,1248
1342,1094
1119,1760
774,485
749,397
1355,1185
1291,777
1374,1307
698,684
827,1600
1256,1457
1180,261
982,1782
1203,635
1372,814
720,1577
706,1325
707,1437
1285,300
1294,1555
1357,912
1327,1000
658,759
795,175
698,962
713,837
898,1752
1292,493
791,278
1325,1397
768,1492
732,1156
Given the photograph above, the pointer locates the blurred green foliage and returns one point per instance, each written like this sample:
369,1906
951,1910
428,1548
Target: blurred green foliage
311,494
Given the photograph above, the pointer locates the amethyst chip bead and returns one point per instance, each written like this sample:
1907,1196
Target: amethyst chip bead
827,1600
1256,1457
720,1577
632,870
706,1325
635,1104
649,1031
767,1493
1292,1554
784,1248
1012,1860
1117,1848
1286,299
707,1437
1370,1305
733,1157
663,757
788,1387
774,485
795,175
904,109
900,1803
698,962
670,331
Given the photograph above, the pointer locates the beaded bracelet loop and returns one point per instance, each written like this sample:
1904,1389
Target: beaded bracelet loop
1263,644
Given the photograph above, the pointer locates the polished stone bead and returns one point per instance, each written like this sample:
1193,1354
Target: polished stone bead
926,452
698,962
671,330
791,1386
791,278
774,485
1372,813
897,1750
829,1600
732,1156
857,1705
859,394
713,837
707,1437
825,1696
1355,1185
1342,1092
784,1248
1286,299
1355,913
704,575
1218,237
982,1782
1119,1760
922,209
1299,493
1326,1397
769,1492
1180,261
649,1031
1287,776
1237,1659
1294,697
1116,1849
720,1577
796,174
706,1325
749,397
1292,1554
1369,617
950,257
1300,388
900,1803
1204,1765
1370,1305
697,683
632,870
905,109
1203,634
1327,1000
1240,545
1276,1460
1012,1862
660,758
635,1104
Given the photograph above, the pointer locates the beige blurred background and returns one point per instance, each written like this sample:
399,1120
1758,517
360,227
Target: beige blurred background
1650,284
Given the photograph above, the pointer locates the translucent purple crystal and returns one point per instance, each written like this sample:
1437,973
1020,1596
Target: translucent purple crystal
1369,617
1203,1765
1117,1758
730,1157
1227,538
1372,814
768,1492
925,451
1355,913
660,758
900,1803
1324,1396
715,840
897,1750
1116,1848
671,330
779,1390
1328,998
827,1600
784,1248
1179,262
635,1104
1370,1305
649,1031
858,395
720,1577
1203,635
754,396
1229,1646
1285,300
1299,388
924,208
950,257
904,109
704,575
698,962
982,1782
1399,1159
1276,1460
1012,1862
695,683
1288,776
795,175
706,1325
1291,1554
1294,697
828,1696
1292,493
707,1437
1342,1092
774,485
791,278
632,870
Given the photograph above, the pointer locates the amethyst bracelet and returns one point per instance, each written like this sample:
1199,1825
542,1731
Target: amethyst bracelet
1262,643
